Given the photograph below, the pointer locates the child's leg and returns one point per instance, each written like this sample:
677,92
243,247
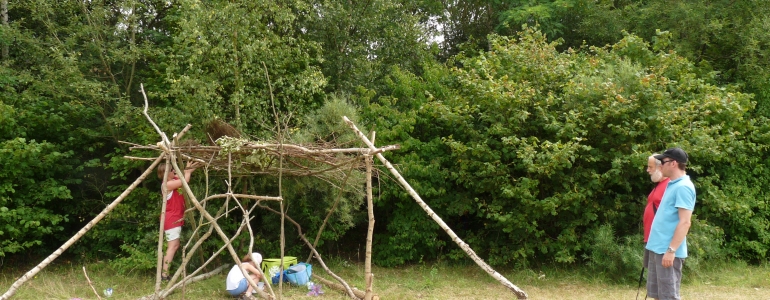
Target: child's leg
172,236
254,277
248,290
170,251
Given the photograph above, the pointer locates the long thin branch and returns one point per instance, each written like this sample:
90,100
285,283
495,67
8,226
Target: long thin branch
264,146
91,284
499,277
31,273
170,289
166,143
247,214
331,211
198,243
280,177
164,194
193,279
359,294
253,197
138,158
368,276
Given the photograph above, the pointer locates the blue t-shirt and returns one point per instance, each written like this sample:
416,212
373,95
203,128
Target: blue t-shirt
680,193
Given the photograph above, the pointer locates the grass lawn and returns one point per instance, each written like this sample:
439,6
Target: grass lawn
425,281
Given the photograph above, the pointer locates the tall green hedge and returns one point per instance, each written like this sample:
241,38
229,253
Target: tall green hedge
526,150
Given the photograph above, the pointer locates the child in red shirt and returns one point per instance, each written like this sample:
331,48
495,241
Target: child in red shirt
175,208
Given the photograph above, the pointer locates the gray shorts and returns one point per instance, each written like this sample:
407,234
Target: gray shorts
663,283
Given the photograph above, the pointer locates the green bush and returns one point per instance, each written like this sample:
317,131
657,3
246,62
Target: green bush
31,187
532,150
705,243
615,258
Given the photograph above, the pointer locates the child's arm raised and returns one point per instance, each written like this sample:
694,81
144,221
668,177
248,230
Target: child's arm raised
176,183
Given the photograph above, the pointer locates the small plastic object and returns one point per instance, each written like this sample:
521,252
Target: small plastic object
315,289
108,292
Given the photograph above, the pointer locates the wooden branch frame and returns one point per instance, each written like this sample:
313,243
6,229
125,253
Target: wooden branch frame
293,160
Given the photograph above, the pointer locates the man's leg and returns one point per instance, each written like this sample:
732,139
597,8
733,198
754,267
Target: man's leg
669,279
652,275
678,265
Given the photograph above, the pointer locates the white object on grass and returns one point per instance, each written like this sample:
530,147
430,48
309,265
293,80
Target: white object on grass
273,270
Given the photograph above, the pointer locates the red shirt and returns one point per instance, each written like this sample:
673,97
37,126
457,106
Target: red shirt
653,199
174,210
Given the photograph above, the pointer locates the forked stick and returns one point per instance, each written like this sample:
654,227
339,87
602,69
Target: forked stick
484,266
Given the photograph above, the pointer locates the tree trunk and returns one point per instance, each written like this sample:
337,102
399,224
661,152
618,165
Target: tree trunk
4,16
519,293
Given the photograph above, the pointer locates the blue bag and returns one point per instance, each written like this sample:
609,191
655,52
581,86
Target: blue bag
277,275
299,274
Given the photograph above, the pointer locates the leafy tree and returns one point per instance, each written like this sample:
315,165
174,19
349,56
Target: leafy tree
222,55
362,40
69,68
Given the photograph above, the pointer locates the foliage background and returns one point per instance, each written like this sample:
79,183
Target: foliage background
524,124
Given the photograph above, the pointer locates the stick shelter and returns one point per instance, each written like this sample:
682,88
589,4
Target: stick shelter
240,157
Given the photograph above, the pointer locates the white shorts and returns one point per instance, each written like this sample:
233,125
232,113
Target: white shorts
173,233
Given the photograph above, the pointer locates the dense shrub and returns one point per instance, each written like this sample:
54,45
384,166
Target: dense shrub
527,151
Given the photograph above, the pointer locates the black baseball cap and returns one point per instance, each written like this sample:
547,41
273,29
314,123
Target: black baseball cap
676,154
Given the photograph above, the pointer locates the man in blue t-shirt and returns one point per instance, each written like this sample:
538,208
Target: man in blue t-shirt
668,236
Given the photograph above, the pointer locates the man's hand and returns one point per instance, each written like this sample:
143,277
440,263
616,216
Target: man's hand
668,259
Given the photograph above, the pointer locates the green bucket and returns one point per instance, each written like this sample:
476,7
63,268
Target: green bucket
271,266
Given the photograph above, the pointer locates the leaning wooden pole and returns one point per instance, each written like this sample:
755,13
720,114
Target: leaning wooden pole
339,287
161,232
368,276
499,277
12,290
